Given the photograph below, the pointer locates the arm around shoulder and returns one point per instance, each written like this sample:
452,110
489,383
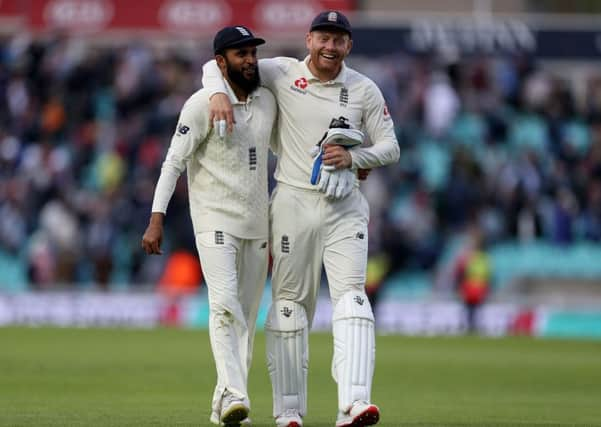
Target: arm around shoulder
271,69
212,79
220,107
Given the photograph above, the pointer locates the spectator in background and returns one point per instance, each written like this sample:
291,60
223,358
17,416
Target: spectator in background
441,104
13,228
182,274
60,226
100,238
591,215
472,276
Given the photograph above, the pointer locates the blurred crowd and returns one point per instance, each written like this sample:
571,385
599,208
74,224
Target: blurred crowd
499,143
83,132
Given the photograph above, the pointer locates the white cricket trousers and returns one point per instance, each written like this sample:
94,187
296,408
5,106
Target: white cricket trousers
308,230
235,271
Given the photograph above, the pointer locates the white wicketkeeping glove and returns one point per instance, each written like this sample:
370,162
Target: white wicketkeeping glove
336,184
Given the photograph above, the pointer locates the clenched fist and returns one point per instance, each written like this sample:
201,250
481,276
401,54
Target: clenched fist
153,236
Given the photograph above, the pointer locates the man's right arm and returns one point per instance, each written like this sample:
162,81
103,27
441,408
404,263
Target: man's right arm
269,70
220,107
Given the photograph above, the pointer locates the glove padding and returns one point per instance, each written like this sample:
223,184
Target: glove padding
337,183
345,137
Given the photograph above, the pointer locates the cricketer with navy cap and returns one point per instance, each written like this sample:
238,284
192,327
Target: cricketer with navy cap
326,110
227,188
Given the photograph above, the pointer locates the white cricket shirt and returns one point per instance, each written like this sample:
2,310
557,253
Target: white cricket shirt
227,178
306,107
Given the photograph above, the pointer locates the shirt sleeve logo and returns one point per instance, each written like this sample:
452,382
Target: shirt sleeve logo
182,129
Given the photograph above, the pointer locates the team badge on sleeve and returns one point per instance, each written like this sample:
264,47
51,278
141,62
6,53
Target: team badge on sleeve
182,129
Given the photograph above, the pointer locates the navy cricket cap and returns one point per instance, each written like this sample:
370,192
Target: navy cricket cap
230,37
331,19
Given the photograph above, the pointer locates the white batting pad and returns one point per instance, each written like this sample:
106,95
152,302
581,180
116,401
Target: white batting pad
286,333
354,348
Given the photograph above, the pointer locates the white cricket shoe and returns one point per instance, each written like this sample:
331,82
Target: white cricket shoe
360,414
289,418
233,411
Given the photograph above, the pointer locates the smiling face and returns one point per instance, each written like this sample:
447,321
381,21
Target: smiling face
239,65
327,50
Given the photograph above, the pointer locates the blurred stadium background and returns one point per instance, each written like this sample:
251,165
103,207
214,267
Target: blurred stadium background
497,106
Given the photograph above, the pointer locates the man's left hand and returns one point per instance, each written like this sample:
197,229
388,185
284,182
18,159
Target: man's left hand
362,174
337,156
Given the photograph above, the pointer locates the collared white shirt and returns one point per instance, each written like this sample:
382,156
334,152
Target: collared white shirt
306,107
227,178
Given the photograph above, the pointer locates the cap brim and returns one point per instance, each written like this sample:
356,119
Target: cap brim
328,26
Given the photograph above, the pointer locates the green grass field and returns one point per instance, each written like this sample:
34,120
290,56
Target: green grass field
114,377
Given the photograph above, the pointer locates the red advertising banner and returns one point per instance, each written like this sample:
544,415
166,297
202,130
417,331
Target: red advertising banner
12,15
190,16
11,8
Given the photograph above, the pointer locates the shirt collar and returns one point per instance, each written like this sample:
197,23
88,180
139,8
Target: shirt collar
340,78
234,99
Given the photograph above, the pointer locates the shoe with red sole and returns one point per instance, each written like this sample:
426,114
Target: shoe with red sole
289,418
360,414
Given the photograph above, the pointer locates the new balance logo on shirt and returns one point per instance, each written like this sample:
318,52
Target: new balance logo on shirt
182,129
219,237
285,245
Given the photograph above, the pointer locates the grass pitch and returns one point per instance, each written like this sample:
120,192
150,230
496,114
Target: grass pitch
116,377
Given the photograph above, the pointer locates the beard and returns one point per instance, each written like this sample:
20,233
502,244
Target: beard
237,77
